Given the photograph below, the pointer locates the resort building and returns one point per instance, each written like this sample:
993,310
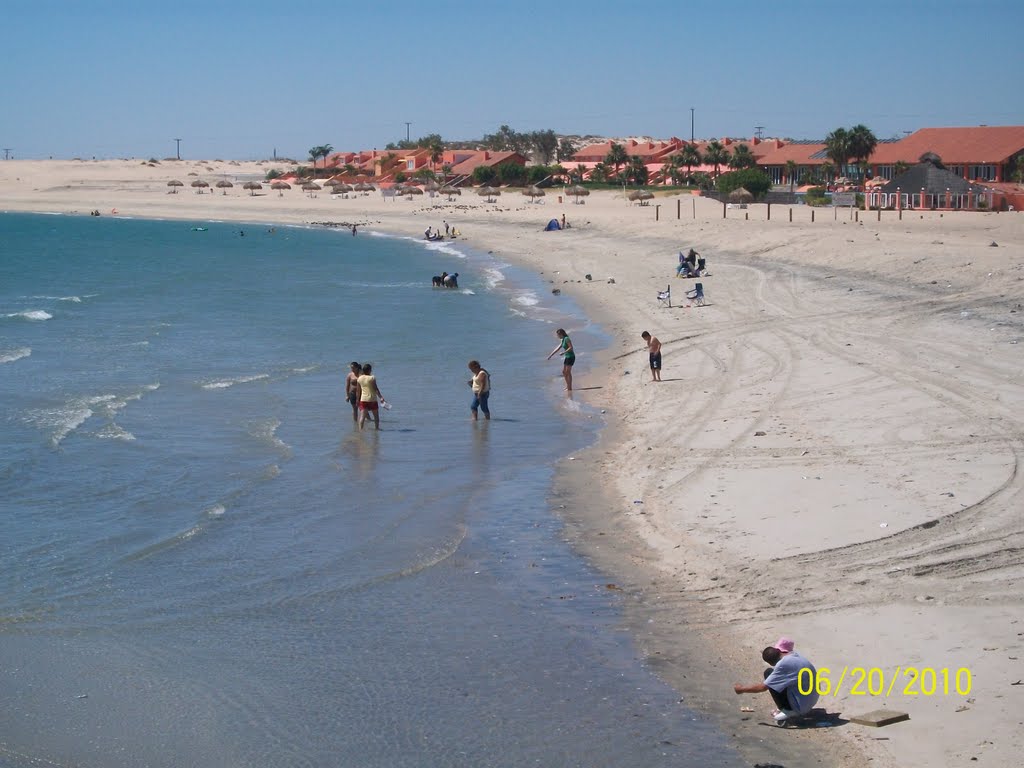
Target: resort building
982,153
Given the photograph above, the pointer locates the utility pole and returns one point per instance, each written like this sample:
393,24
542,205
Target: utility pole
691,125
407,139
759,131
7,152
178,145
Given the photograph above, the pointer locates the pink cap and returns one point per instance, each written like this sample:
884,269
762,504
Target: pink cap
784,644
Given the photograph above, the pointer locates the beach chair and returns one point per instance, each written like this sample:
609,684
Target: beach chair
696,295
665,297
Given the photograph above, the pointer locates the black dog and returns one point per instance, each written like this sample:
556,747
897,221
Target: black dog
436,281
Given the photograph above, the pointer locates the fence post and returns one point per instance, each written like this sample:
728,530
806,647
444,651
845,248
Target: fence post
693,204
657,212
679,208
790,214
812,215
769,211
723,210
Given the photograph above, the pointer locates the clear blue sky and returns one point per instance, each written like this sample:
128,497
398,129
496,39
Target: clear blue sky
238,79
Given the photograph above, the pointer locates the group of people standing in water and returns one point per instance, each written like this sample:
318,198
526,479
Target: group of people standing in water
364,395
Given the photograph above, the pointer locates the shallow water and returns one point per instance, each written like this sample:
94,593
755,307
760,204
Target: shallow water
204,563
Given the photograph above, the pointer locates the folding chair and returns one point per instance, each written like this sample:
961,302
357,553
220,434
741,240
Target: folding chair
697,295
665,297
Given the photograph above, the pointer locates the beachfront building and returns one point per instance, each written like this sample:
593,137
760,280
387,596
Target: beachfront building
982,153
929,185
464,162
979,154
653,154
657,156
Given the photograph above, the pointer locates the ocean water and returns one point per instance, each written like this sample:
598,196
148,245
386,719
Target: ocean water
204,563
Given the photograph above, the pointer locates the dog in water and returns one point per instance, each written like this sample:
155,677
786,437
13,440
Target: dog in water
438,280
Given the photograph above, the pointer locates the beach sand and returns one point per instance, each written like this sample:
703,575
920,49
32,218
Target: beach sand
832,454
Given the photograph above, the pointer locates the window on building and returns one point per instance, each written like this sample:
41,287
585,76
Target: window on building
886,172
957,169
410,164
983,172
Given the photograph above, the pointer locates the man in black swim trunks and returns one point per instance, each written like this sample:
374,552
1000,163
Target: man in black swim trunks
654,348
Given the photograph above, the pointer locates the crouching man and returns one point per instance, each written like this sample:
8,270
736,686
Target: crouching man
793,689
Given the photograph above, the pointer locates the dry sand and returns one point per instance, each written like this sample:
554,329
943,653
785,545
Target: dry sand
832,455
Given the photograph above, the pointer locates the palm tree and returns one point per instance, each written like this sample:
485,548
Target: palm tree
689,156
446,169
636,170
742,157
791,169
715,154
436,151
600,173
862,143
900,167
838,147
827,170
617,156
579,173
322,151
675,167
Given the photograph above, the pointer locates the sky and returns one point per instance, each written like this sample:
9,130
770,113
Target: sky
242,80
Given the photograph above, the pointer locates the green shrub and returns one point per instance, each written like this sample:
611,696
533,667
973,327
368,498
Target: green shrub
753,180
511,173
484,174
817,196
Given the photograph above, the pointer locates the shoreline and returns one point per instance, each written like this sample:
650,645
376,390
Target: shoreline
860,354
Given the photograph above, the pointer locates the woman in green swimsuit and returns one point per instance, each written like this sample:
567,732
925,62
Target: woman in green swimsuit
568,356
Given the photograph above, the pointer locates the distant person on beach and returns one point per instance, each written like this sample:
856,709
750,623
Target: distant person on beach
654,352
352,388
563,221
447,230
793,690
481,385
353,230
687,264
568,356
369,393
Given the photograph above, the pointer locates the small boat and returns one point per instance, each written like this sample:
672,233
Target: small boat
198,229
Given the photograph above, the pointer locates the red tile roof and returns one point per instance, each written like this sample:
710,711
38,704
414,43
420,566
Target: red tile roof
798,153
486,158
956,146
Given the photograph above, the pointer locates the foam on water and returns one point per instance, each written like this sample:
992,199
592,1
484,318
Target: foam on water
493,277
265,431
225,383
31,314
9,356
